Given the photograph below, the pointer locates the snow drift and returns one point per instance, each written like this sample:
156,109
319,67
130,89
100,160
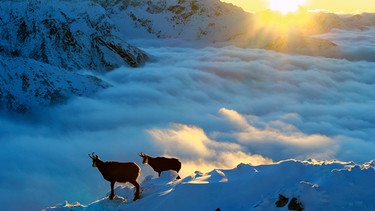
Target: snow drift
289,184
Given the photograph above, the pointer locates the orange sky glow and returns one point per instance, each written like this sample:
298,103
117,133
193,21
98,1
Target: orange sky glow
336,6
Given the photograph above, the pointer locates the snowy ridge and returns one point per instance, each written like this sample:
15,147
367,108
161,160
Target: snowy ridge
314,185
191,20
211,21
67,34
27,84
44,43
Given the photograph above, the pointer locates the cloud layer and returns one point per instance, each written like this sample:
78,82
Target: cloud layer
213,107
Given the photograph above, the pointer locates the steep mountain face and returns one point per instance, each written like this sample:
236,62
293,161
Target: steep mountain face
192,20
27,84
67,34
44,43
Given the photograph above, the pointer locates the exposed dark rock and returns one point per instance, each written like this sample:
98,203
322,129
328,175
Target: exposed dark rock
184,19
282,201
27,84
71,35
294,204
45,43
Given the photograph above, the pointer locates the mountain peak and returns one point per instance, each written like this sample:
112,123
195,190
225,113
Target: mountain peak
46,43
70,35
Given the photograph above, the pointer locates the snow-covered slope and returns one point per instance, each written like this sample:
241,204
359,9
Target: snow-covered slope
289,184
67,34
27,84
43,44
193,20
214,21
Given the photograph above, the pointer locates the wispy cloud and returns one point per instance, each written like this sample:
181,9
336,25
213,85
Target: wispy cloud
354,45
192,145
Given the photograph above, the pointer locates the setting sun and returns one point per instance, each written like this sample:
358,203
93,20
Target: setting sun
285,6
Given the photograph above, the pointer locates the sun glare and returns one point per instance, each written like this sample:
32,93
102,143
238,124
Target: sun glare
285,6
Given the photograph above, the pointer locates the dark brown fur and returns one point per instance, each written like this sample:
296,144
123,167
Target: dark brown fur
160,164
113,172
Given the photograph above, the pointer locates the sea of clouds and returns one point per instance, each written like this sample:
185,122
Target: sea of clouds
212,107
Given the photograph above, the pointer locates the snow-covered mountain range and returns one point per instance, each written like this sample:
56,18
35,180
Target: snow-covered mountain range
72,35
215,21
286,185
193,20
44,43
69,36
28,84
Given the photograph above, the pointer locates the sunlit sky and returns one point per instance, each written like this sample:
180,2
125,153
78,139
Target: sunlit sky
337,6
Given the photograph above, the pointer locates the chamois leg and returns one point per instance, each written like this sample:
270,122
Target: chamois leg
178,176
112,195
137,187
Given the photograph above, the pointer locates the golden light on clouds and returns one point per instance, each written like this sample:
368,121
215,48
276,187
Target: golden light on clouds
284,133
199,152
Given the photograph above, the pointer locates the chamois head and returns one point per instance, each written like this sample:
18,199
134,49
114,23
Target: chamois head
144,158
94,158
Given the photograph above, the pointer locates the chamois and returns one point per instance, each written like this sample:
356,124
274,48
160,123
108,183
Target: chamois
113,172
160,164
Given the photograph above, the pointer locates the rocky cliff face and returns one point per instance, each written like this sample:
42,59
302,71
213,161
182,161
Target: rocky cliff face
67,34
26,84
43,45
192,20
